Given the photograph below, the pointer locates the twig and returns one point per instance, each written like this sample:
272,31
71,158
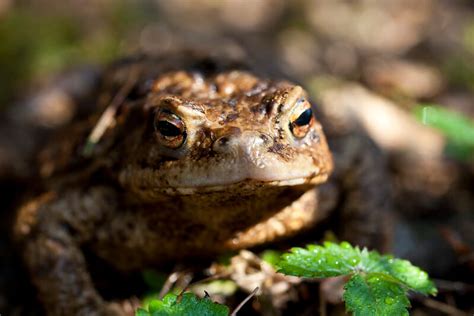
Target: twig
107,117
172,278
234,313
210,278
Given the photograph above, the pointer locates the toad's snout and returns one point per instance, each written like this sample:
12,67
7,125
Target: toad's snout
248,146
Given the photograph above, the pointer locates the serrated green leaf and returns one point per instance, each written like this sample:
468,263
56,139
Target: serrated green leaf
373,295
321,261
372,261
413,277
186,305
334,260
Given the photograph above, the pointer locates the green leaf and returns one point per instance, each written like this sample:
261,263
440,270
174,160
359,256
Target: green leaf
375,295
372,261
411,276
141,312
321,261
186,305
334,260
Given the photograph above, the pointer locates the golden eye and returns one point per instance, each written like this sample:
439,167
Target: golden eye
301,119
170,129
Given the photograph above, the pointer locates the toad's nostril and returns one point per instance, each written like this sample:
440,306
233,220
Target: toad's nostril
245,144
223,141
225,144
264,138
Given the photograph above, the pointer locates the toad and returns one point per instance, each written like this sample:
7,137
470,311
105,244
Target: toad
187,159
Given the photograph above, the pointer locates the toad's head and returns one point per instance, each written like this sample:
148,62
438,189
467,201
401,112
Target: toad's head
226,132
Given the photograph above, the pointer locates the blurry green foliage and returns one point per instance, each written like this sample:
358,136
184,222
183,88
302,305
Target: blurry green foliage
225,258
35,44
468,38
459,71
29,43
458,129
154,279
271,257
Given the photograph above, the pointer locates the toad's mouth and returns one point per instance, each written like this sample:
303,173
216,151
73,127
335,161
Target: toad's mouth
246,185
233,173
151,181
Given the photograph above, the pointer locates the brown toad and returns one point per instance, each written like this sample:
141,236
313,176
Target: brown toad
198,160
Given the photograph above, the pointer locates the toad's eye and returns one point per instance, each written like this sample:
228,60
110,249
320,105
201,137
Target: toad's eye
301,119
170,129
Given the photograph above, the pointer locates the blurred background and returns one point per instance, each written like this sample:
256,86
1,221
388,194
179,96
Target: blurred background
403,68
413,48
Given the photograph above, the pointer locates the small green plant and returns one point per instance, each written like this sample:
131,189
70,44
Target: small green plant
377,285
186,304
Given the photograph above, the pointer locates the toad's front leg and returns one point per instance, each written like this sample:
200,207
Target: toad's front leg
51,230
